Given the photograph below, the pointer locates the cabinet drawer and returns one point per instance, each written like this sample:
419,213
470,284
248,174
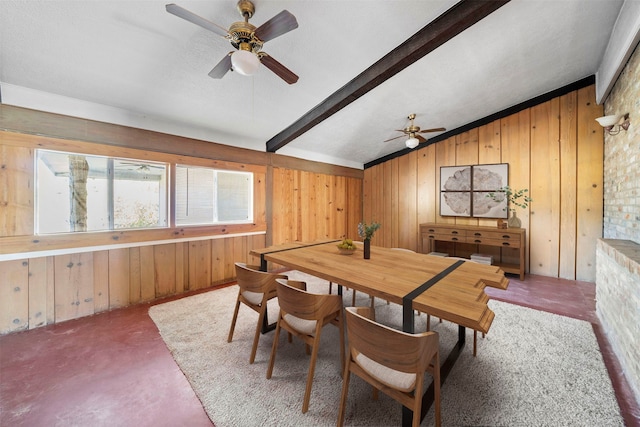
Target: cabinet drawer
505,243
501,235
448,237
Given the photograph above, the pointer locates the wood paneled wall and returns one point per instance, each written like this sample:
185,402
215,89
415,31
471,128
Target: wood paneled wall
62,277
555,149
50,289
312,206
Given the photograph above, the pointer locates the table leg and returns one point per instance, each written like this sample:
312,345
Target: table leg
266,327
445,369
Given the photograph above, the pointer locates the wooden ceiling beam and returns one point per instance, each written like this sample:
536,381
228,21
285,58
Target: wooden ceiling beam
451,23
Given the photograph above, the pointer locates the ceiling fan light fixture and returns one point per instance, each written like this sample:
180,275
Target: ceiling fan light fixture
412,142
245,62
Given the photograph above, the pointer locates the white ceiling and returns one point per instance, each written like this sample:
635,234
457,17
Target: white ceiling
132,63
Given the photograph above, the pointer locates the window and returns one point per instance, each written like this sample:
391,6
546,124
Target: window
77,192
210,196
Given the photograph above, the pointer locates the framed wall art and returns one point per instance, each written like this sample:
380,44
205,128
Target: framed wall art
464,189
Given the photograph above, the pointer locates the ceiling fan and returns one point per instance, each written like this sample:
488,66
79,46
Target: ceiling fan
247,39
413,131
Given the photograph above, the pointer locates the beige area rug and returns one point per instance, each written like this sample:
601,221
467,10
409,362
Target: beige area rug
532,369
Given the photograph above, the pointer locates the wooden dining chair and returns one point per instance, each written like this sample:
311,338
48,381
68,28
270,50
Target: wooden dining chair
256,288
304,315
392,361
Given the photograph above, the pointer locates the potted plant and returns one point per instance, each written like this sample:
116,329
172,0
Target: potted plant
515,199
366,233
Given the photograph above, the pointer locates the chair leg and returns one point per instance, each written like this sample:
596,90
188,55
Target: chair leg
342,339
345,392
274,348
233,321
312,369
475,343
417,401
436,389
353,299
330,287
256,336
428,322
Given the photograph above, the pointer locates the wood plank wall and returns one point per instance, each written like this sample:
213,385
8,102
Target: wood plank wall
64,277
332,204
555,149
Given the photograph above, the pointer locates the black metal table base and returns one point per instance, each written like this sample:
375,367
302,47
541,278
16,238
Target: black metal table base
427,397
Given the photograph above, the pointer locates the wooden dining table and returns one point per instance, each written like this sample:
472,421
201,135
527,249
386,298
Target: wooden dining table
449,288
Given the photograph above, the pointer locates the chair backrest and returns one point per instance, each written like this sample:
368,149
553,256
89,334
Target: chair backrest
250,278
306,305
410,353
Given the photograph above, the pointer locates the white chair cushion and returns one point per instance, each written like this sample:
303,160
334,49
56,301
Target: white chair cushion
399,380
303,326
254,298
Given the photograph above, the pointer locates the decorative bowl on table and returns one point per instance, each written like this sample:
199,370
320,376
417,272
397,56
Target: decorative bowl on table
346,247
346,251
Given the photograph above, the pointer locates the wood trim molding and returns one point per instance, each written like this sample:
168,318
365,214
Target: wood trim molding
451,23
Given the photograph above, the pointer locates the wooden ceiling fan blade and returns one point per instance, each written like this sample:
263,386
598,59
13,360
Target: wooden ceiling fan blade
280,70
421,138
221,68
433,130
278,25
180,12
393,138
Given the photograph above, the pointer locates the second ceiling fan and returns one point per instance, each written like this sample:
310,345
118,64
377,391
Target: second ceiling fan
247,39
413,132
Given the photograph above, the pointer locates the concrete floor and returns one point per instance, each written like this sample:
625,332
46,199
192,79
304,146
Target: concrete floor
114,369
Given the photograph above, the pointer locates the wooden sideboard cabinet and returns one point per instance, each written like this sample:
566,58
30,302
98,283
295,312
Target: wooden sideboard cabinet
514,238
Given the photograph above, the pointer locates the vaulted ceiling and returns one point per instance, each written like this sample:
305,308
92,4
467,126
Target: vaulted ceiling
132,63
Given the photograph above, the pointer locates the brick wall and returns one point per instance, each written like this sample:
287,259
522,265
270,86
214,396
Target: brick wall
621,157
618,254
618,302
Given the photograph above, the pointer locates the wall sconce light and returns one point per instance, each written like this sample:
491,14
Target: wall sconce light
615,123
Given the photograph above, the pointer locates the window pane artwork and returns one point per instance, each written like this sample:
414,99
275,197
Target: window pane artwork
464,190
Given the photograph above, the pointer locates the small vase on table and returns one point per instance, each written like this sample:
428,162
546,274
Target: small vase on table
367,248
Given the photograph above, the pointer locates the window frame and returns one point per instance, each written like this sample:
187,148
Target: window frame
216,170
110,176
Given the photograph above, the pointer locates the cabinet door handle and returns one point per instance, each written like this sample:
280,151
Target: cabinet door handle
454,232
477,241
432,237
477,234
431,230
505,244
506,236
454,239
